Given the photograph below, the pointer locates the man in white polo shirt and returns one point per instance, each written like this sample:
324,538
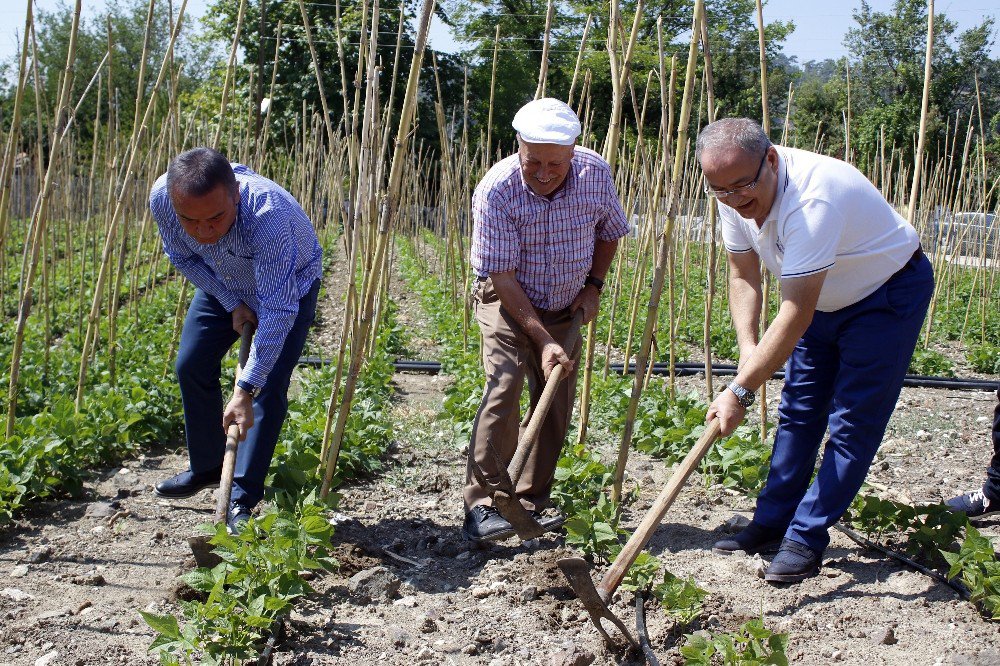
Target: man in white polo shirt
855,287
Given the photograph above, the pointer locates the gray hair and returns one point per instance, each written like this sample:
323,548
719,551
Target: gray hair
741,133
198,171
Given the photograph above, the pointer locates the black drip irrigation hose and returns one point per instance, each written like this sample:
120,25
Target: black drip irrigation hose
686,369
868,543
640,628
277,633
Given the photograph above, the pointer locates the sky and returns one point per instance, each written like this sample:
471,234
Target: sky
819,26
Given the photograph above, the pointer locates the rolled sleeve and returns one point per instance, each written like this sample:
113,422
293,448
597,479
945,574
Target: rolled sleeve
614,224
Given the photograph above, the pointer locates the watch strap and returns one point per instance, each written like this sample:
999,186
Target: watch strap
249,388
743,395
594,282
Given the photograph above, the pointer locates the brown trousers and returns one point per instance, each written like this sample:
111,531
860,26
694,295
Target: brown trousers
509,356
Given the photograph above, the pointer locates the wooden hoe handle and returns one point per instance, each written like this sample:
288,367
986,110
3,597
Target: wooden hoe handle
613,577
232,436
541,409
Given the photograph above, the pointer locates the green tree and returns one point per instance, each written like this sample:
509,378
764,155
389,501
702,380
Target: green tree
816,118
337,52
888,51
732,33
126,22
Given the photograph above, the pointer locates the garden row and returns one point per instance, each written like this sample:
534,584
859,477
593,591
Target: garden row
666,427
582,478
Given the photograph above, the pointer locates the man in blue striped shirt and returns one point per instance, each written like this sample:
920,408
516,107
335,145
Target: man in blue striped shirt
253,255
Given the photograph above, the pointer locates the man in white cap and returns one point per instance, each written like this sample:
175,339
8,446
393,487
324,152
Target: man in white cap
546,226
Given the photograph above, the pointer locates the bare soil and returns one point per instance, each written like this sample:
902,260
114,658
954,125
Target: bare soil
74,572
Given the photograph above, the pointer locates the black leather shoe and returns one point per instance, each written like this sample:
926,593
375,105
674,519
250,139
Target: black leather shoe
754,538
794,563
188,483
237,517
484,523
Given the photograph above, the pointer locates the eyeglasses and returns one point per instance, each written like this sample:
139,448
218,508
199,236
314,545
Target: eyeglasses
742,189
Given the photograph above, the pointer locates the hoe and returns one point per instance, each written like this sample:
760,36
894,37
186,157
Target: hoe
503,489
576,570
202,550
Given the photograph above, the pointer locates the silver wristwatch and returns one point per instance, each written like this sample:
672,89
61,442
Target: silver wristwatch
744,396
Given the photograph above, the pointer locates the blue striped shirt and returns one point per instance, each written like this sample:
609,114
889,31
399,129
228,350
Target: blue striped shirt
269,259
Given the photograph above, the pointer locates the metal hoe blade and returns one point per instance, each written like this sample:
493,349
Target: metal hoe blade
577,572
505,499
203,551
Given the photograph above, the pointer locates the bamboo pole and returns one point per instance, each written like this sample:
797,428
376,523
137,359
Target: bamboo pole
921,141
389,205
317,70
659,273
543,70
579,58
765,310
712,219
133,155
37,225
922,133
10,151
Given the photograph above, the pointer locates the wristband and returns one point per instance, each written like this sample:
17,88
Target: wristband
595,282
254,391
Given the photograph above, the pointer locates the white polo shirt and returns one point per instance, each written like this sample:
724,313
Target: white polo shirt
826,216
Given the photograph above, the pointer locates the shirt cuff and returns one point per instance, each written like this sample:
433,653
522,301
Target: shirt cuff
229,301
497,268
252,375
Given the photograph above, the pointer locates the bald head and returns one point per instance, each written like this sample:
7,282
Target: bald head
733,133
740,166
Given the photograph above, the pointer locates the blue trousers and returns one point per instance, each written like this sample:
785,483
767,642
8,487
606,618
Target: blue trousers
206,337
846,374
992,486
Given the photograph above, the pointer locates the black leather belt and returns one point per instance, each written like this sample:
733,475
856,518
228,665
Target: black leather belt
918,254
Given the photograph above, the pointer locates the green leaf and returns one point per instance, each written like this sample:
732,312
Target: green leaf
165,625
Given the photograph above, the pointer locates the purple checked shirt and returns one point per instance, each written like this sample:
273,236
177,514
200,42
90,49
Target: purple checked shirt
549,243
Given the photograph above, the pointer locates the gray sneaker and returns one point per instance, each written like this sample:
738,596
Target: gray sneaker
974,504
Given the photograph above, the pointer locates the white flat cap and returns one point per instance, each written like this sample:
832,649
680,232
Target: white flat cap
547,120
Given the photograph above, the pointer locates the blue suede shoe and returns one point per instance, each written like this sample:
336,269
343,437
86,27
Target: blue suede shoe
794,563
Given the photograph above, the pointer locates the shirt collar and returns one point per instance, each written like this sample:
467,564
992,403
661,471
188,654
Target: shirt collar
780,191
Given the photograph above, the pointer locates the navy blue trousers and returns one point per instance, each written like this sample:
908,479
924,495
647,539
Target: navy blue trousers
992,486
846,374
206,337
